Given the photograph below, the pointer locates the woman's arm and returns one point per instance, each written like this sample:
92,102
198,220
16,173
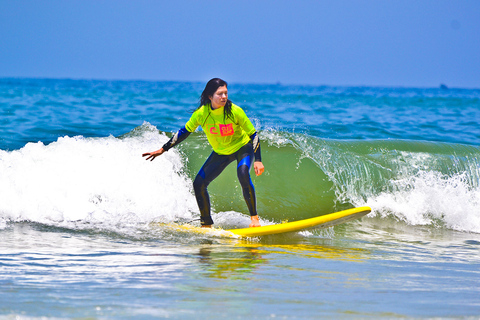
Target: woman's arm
178,137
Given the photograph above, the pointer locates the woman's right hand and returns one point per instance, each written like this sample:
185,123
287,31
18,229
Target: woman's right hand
154,154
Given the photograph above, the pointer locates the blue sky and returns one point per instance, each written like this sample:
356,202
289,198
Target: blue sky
369,43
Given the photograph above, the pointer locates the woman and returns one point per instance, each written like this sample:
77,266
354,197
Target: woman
232,137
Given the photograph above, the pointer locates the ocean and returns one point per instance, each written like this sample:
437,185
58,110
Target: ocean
84,218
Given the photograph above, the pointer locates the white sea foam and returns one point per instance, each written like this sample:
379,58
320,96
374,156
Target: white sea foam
431,198
96,180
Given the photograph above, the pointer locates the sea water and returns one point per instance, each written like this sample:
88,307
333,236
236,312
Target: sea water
82,213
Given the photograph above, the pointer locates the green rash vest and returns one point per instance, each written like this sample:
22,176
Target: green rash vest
225,135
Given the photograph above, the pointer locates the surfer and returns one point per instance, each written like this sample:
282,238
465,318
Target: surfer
232,137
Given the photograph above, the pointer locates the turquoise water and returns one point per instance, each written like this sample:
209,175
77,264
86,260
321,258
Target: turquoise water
77,202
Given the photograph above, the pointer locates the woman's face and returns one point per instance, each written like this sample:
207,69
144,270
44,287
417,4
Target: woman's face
219,98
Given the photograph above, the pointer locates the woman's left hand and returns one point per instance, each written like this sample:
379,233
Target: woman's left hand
259,168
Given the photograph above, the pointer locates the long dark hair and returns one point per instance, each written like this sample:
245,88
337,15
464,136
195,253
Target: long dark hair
212,87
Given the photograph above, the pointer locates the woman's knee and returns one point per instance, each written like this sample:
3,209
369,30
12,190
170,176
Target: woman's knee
199,183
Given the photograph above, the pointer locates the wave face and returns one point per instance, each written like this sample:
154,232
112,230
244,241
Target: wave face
106,182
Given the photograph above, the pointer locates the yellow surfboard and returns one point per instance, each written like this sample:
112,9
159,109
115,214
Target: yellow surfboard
324,221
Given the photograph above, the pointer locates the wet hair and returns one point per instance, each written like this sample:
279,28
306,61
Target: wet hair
212,87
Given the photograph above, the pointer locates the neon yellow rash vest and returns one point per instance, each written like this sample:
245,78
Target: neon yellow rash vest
224,134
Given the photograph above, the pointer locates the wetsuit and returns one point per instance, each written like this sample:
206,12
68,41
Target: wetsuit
232,138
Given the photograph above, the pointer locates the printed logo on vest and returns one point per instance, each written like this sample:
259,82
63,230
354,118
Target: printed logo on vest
226,129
